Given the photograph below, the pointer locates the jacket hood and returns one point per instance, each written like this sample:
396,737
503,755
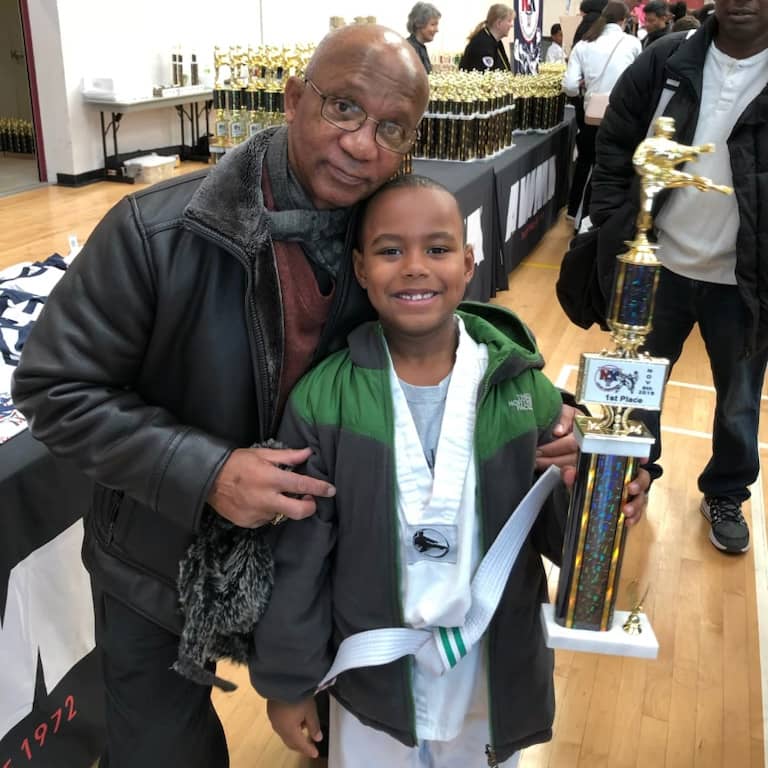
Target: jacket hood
511,346
689,52
501,330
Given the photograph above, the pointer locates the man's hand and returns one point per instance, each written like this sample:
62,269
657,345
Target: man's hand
296,724
637,499
250,489
563,450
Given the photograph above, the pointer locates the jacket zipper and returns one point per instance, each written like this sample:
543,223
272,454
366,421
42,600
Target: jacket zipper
255,333
117,498
490,752
491,377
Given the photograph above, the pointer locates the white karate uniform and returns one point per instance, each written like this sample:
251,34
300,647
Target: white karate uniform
352,744
451,711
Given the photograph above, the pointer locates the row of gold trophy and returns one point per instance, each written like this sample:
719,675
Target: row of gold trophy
470,115
474,115
248,90
337,22
16,136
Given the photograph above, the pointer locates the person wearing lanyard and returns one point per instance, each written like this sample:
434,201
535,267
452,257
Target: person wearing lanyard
485,50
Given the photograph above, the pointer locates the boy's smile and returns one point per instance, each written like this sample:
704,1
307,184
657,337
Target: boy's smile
413,296
413,261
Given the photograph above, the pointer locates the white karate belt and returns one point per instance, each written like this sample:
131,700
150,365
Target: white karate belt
440,649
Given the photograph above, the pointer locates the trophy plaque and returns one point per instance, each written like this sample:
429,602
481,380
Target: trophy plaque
612,444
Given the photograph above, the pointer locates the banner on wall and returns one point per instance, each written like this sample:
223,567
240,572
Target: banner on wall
526,50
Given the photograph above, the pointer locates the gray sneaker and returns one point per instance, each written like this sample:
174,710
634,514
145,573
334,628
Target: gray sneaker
729,531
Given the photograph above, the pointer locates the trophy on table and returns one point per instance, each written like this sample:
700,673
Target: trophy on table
612,444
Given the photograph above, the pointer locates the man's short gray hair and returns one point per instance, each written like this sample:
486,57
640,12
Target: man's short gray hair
420,16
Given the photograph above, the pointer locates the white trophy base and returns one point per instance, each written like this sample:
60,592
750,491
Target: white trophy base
614,641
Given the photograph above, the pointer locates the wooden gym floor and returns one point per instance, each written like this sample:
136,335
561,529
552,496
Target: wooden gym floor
700,704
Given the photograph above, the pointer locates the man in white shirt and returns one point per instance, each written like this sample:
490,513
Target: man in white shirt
555,52
713,248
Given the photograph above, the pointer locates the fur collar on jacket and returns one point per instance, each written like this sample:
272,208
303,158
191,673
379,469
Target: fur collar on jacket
229,200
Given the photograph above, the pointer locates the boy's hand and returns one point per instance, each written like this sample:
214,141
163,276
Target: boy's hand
296,724
638,494
638,497
250,489
563,450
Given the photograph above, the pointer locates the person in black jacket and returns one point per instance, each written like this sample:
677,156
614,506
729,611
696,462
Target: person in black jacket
657,23
485,49
422,25
713,248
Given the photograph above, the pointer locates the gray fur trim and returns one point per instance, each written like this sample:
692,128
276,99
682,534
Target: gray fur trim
229,200
225,582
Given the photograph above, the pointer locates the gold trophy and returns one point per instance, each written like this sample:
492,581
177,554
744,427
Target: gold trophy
611,446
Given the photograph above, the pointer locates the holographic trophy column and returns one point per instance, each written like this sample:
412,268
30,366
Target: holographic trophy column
611,446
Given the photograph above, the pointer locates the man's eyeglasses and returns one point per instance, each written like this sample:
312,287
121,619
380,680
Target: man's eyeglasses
345,114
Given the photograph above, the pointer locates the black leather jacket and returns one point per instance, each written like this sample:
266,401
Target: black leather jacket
159,353
677,62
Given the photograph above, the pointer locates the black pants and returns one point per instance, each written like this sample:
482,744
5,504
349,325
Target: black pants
585,159
155,718
723,322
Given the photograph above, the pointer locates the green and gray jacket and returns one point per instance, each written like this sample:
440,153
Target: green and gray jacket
338,572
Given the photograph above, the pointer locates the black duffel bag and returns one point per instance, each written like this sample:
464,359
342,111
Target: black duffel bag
578,286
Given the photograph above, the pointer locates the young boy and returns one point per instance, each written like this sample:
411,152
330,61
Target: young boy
428,426
555,52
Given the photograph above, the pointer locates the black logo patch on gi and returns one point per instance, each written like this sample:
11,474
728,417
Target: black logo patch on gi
432,542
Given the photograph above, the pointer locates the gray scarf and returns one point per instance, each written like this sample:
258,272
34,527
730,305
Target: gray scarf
321,233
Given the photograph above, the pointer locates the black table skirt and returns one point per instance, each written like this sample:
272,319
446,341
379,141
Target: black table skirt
42,502
510,200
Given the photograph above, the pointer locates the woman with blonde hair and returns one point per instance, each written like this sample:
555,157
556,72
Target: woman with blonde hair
485,51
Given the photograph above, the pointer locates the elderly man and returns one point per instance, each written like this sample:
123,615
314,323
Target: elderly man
713,248
171,345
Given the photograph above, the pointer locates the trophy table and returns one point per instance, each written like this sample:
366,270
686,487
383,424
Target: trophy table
610,446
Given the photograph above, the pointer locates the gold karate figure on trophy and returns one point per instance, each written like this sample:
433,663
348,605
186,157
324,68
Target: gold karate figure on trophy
619,381
656,160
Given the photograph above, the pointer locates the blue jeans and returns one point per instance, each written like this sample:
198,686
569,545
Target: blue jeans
723,322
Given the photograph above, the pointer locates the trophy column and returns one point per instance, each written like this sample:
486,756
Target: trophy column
610,448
